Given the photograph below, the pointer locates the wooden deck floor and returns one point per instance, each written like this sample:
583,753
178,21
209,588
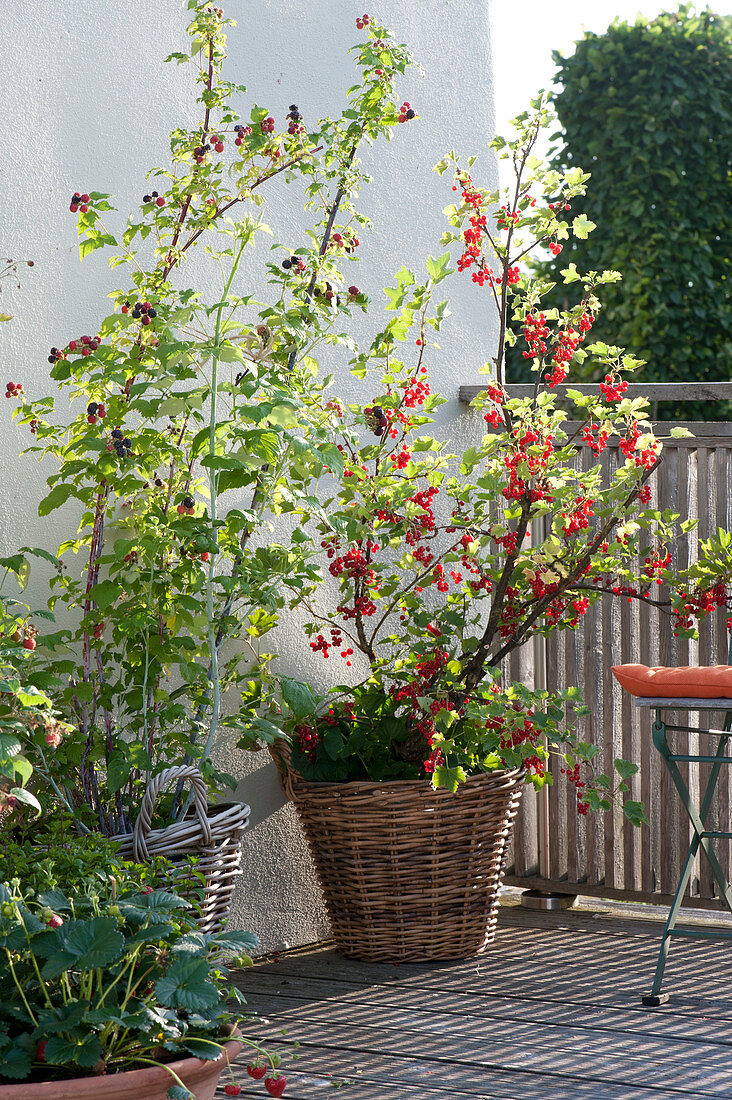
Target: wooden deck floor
552,1010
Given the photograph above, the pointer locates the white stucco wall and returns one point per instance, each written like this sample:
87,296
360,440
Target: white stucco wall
88,105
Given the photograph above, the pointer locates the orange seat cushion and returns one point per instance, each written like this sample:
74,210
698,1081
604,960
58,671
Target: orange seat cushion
690,682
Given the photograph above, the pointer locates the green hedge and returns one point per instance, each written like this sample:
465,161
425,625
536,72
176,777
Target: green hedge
647,109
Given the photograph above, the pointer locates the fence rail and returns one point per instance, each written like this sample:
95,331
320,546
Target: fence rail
553,847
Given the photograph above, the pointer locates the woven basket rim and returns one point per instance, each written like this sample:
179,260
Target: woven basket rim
214,811
374,787
384,786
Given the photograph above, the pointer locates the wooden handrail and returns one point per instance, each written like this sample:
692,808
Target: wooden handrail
653,391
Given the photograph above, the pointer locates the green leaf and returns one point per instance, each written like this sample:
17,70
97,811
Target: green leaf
582,226
451,778
85,945
150,933
186,985
635,813
59,1050
571,274
157,905
179,1092
9,745
439,269
299,697
283,415
27,798
16,1062
625,768
58,496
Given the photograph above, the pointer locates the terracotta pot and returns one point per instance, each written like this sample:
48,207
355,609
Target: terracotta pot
151,1083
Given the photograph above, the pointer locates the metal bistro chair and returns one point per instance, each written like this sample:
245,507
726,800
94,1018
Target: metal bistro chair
697,816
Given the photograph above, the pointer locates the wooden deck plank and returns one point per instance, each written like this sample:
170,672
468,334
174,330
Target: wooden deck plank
522,1054
377,1077
551,1010
687,1033
639,1047
382,1077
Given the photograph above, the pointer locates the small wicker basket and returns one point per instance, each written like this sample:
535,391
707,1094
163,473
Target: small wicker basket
211,833
408,872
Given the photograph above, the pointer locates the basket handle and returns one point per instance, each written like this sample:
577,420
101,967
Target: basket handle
159,782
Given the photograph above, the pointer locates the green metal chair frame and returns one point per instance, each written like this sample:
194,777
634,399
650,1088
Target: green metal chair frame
701,835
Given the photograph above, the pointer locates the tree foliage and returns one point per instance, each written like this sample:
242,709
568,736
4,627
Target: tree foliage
647,109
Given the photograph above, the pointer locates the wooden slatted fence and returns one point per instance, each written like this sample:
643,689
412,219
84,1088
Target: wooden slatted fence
554,848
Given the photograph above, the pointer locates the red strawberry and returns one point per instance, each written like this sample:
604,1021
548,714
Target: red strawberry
275,1086
232,1090
257,1072
41,1050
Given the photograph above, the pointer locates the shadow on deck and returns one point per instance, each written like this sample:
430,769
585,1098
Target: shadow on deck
552,1010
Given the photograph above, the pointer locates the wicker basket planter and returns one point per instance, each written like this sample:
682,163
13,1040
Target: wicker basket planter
211,833
408,873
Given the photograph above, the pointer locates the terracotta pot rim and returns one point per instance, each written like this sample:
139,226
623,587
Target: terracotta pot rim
147,1077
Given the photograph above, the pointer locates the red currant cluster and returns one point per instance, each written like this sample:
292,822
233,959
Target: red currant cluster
401,458
14,389
507,218
405,112
613,388
578,519
573,776
473,240
415,392
595,437
698,604
654,565
155,197
424,522
187,506
536,333
434,760
308,740
363,22
267,125
354,564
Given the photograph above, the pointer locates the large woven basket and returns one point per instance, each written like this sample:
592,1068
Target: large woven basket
408,873
211,833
